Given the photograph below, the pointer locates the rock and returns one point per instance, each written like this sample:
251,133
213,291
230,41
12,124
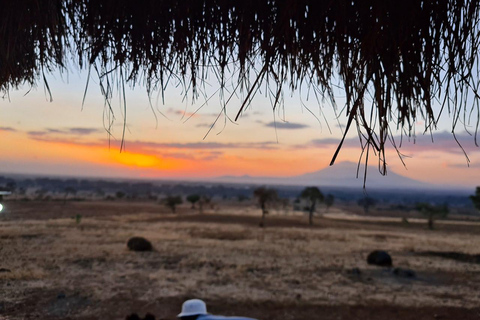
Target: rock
405,273
379,258
5,270
139,244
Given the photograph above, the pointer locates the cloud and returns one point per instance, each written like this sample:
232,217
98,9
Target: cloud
37,133
440,141
159,146
8,129
77,131
48,130
347,143
204,125
197,151
84,131
464,165
41,137
202,145
183,113
286,125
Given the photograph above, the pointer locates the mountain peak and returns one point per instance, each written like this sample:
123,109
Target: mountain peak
341,174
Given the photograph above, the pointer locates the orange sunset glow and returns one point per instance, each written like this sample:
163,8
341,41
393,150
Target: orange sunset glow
64,138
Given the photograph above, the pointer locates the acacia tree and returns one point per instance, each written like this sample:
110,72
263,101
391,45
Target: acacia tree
265,196
193,198
476,199
432,212
205,200
313,195
172,202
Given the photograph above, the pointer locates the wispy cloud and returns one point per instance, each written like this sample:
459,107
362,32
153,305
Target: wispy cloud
182,113
286,125
439,141
204,125
84,131
189,155
198,151
37,133
347,143
464,165
77,131
8,129
41,137
202,145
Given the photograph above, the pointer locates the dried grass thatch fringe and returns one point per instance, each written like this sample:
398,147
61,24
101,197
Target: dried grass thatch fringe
395,60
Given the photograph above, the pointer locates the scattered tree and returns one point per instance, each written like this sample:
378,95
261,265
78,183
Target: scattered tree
366,203
193,198
264,196
432,212
120,194
172,202
313,195
205,201
476,199
69,190
329,200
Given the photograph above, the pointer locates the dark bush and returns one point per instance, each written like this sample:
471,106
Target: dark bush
379,258
139,244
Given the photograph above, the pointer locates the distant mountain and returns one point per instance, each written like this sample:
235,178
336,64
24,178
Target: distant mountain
342,174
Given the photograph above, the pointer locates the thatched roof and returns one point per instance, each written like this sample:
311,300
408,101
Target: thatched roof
394,59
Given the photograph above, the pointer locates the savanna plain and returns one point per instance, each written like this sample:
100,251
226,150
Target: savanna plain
69,260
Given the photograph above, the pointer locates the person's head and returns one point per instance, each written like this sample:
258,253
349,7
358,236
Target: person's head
192,308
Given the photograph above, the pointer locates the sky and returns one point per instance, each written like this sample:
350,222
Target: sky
174,140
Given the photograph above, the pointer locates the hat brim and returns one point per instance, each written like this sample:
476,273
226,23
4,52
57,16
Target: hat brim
187,314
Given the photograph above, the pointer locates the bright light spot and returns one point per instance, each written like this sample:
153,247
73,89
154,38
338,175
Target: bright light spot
1,207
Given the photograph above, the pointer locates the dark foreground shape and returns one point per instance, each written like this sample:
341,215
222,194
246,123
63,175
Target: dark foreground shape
458,256
139,244
135,316
379,258
404,273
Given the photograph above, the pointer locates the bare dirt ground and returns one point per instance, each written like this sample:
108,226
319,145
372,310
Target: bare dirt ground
52,267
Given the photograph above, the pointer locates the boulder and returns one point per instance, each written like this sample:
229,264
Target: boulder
379,258
139,244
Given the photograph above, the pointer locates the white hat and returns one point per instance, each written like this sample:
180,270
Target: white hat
193,307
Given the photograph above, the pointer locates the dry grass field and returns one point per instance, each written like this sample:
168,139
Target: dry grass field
52,267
